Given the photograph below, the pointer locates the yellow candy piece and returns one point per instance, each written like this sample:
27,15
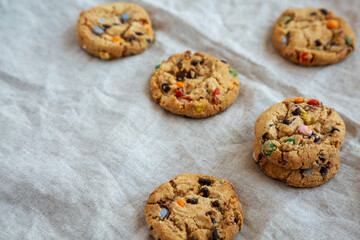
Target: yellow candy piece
199,108
180,84
104,55
306,118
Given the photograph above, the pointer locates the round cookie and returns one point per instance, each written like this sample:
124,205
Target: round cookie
299,133
114,30
310,177
194,206
312,36
195,86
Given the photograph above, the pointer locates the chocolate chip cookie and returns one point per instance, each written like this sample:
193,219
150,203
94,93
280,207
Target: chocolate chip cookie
194,206
299,134
114,30
194,85
312,36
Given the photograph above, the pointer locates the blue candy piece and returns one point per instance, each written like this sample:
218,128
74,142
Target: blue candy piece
284,39
98,30
125,17
308,171
102,20
163,212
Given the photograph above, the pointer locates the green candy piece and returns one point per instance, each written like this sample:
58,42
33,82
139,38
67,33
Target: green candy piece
268,148
233,72
289,20
348,41
290,140
157,66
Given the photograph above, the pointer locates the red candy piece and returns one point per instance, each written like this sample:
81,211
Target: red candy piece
313,102
216,92
185,99
303,56
215,100
178,93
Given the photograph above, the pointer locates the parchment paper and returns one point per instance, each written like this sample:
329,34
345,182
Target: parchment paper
83,144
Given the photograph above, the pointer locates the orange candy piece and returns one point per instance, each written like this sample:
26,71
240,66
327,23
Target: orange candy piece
332,24
298,100
116,39
180,84
181,202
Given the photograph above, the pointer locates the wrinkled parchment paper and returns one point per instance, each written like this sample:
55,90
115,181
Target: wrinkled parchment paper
83,144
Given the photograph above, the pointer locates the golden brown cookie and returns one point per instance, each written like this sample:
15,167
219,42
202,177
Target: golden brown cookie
114,30
194,85
299,133
310,177
194,207
312,36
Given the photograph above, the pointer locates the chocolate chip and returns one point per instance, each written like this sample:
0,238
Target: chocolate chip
224,61
260,156
322,157
191,74
288,34
332,44
205,181
139,33
148,40
264,137
323,11
317,138
285,121
106,26
165,87
302,171
193,238
180,76
215,235
236,218
215,203
296,112
324,170
132,38
179,65
334,129
192,200
151,228
115,24
213,220
205,192
313,14
317,42
271,125
195,62
208,213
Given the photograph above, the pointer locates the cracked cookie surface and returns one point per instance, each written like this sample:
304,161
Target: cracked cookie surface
313,36
114,30
196,207
194,85
299,133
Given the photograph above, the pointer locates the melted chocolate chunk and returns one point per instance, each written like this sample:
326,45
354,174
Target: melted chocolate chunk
132,38
260,156
205,181
322,157
236,218
191,74
317,42
215,235
215,203
323,11
296,112
180,76
285,121
334,129
195,62
139,33
324,170
316,138
106,26
213,220
165,87
313,14
302,171
192,200
151,228
179,65
208,213
205,191
148,40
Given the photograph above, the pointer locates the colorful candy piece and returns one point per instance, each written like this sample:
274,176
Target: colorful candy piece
331,23
102,20
163,212
304,57
313,102
157,66
284,40
288,20
180,202
180,84
348,41
233,72
216,92
268,148
290,140
199,108
104,55
298,100
306,118
116,39
125,17
98,30
305,130
178,92
185,99
215,100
